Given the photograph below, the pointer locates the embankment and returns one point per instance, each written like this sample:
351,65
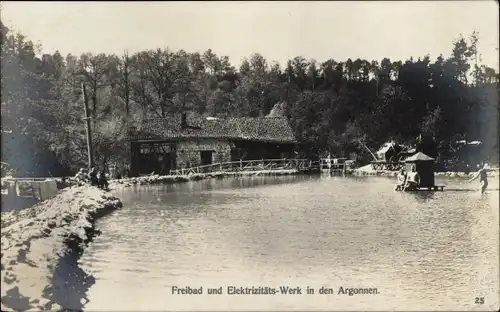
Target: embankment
157,179
36,242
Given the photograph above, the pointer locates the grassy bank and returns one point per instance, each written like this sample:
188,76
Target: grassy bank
34,241
157,179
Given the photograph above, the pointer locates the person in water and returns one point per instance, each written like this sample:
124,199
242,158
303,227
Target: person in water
482,174
412,179
401,178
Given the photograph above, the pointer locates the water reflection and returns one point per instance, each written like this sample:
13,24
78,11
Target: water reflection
423,250
70,283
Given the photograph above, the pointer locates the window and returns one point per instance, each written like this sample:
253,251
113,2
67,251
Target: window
155,148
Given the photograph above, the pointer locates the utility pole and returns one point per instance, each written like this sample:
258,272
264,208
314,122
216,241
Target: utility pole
89,132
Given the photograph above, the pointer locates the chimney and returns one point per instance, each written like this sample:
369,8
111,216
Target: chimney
184,120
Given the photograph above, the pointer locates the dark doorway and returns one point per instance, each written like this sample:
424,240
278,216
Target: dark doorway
165,161
206,159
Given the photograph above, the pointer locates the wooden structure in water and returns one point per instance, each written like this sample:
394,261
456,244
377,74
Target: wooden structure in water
434,188
424,166
335,165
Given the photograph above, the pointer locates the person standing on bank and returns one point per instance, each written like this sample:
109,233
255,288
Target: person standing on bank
102,181
94,181
482,174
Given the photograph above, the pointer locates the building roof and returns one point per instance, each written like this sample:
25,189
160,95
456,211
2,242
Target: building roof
463,142
418,157
386,147
264,129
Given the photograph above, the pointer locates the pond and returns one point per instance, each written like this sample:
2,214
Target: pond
421,251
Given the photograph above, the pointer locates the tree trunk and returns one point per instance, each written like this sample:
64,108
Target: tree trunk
94,103
127,101
126,86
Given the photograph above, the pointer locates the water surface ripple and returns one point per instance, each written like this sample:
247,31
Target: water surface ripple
424,251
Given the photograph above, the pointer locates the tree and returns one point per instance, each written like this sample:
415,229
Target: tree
333,106
124,69
95,71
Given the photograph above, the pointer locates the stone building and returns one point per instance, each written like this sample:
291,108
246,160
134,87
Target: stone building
188,140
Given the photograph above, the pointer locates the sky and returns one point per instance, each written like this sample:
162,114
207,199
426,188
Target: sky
278,30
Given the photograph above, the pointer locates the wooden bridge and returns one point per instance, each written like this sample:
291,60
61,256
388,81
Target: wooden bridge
302,165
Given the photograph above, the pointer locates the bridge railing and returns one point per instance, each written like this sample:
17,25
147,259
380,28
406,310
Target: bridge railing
331,164
249,165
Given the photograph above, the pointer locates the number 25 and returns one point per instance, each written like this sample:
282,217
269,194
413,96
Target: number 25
479,300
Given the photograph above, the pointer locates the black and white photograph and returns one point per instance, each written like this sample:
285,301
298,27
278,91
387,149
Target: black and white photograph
250,156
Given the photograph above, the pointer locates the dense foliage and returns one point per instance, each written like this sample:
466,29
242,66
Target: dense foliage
336,107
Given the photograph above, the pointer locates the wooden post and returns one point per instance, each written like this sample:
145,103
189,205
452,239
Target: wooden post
89,130
33,193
